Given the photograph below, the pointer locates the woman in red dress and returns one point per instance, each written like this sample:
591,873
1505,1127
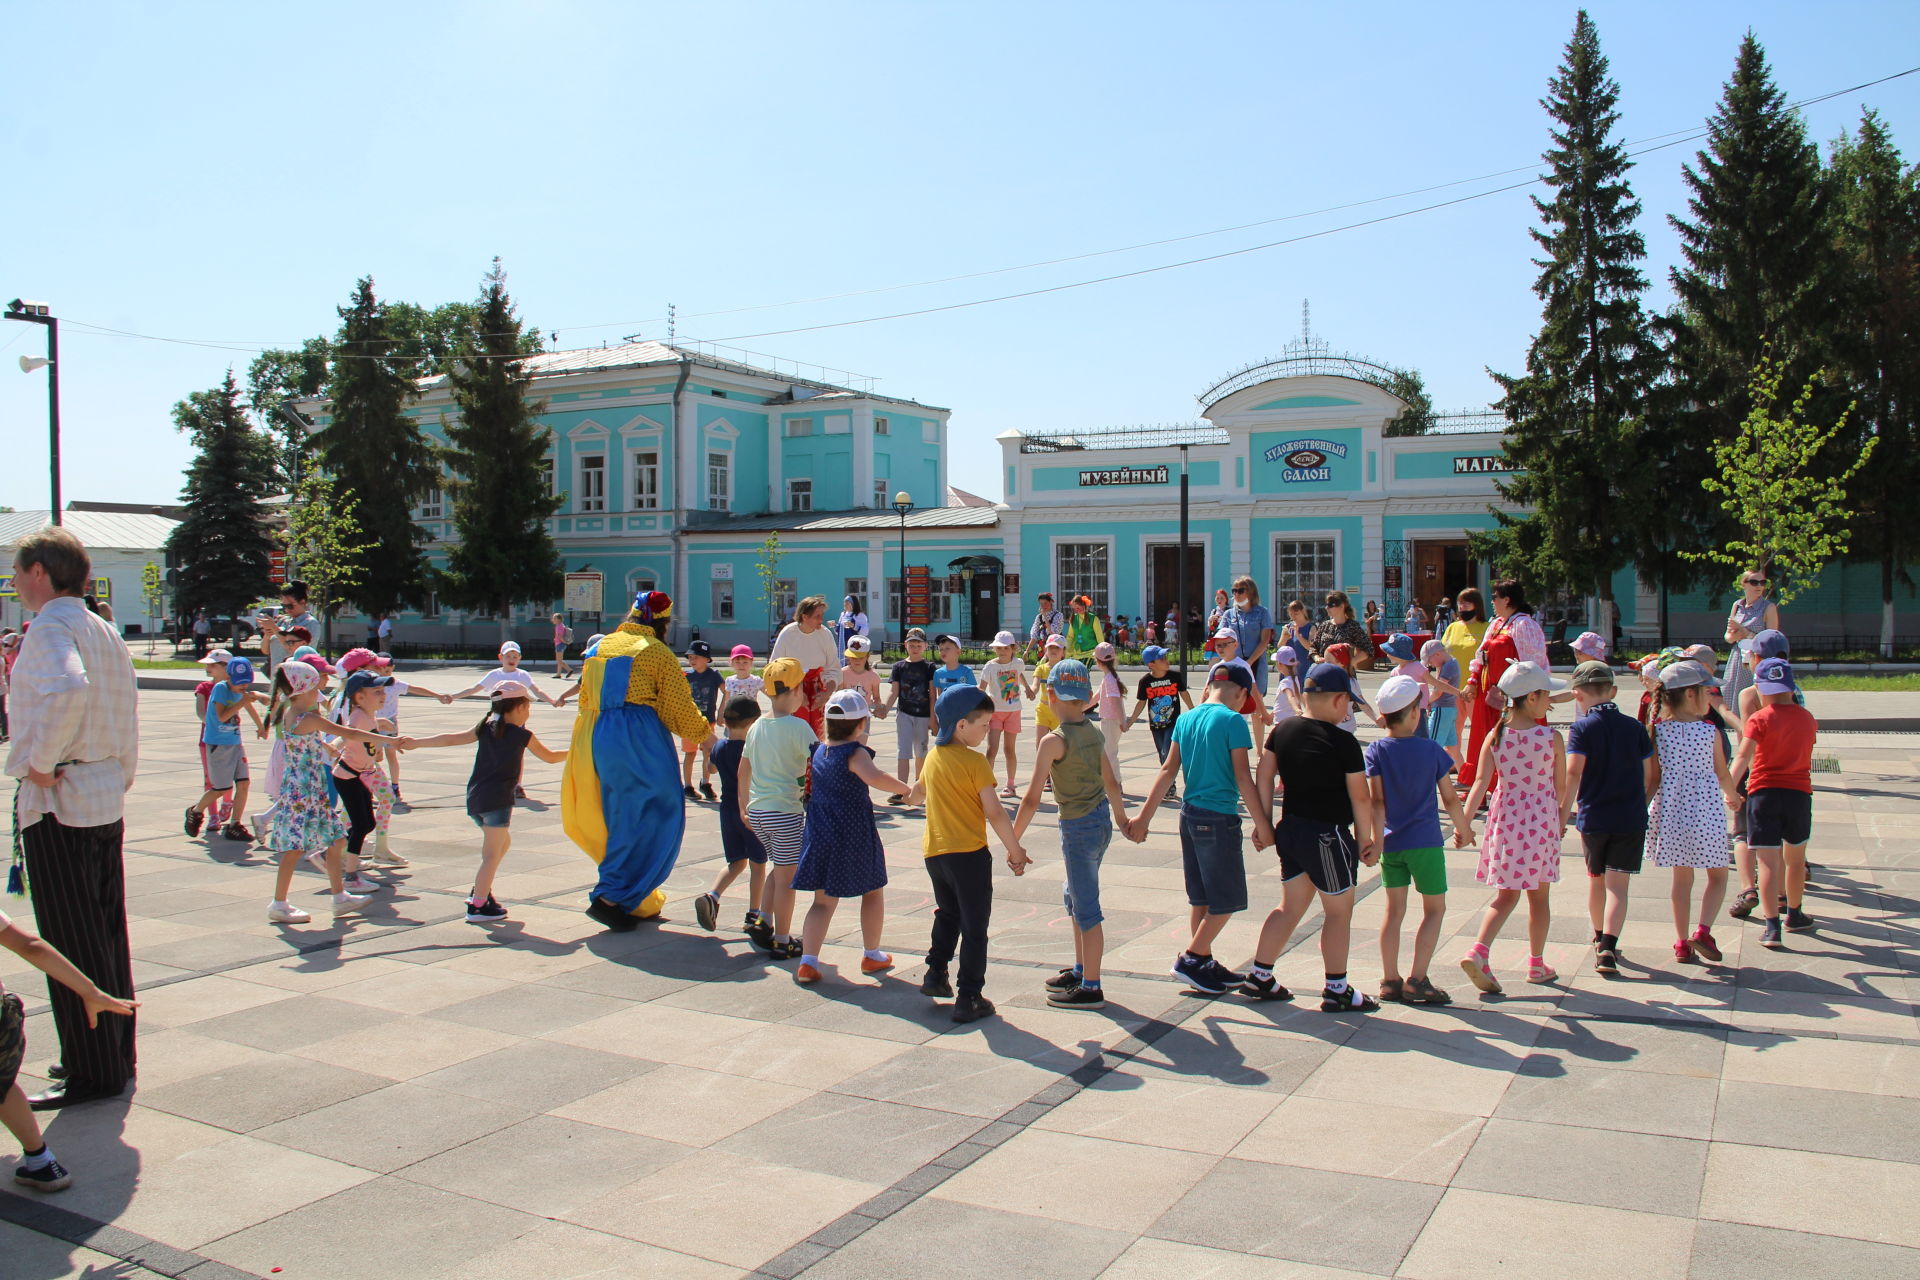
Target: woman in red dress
1512,637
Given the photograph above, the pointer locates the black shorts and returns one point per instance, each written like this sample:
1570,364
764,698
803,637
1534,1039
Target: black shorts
13,1040
1613,851
1323,852
1777,816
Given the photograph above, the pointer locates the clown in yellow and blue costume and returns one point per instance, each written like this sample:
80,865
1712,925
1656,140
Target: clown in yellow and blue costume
620,797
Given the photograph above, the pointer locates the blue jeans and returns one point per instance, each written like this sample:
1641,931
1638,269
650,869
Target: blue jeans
1083,843
1162,739
1210,856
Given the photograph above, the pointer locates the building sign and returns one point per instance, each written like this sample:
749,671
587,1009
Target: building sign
277,566
1124,475
919,596
1483,464
1012,582
1305,460
585,592
723,572
1392,573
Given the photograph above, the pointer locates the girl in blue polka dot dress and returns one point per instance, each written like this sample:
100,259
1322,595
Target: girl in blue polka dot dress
842,856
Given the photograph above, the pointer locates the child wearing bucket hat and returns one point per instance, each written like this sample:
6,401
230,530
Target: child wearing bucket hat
1005,681
1687,816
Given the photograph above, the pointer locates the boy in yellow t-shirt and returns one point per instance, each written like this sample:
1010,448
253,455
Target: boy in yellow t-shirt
961,804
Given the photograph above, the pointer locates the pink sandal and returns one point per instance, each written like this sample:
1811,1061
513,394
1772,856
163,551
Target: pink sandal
1538,970
1479,970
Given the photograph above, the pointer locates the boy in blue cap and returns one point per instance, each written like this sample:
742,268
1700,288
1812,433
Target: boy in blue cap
1776,755
226,754
961,803
1161,694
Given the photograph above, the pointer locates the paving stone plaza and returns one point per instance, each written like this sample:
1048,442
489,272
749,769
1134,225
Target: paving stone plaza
410,1096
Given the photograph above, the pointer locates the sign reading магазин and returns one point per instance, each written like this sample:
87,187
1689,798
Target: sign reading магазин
1482,464
1306,460
1124,475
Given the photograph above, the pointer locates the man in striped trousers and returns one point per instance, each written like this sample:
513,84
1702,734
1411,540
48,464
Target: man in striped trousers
76,735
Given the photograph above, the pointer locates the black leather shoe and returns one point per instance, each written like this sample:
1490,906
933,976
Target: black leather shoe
66,1095
56,1072
603,912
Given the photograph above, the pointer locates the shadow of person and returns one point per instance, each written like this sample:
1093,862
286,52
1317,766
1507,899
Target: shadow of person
90,1141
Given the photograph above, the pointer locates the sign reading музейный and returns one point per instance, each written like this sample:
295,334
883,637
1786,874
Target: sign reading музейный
1124,475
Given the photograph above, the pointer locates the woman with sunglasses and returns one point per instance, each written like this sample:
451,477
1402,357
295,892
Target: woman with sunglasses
1751,614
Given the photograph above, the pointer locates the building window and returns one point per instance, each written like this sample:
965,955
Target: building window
797,427
546,473
432,609
880,499
646,482
881,427
799,495
433,506
1302,570
719,482
930,432
786,595
857,588
1080,569
592,495
722,610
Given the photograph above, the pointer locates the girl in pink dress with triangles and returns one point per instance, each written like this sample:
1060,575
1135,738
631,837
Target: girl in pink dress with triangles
1521,854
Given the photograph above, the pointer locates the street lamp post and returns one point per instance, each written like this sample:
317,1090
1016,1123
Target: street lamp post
42,313
903,503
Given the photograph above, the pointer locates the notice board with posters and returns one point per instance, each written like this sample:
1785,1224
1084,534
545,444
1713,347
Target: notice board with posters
585,592
919,595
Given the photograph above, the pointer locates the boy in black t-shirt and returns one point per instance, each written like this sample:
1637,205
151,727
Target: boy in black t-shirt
1323,776
705,684
740,847
1162,692
910,698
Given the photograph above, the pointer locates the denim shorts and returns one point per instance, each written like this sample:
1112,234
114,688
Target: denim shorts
493,817
1083,843
1211,858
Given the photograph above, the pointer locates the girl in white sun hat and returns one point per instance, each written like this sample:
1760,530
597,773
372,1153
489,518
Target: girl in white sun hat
1005,681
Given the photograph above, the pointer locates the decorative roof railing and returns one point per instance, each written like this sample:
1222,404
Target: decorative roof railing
1164,435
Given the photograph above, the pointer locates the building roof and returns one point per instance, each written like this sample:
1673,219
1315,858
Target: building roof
172,511
108,530
958,497
949,517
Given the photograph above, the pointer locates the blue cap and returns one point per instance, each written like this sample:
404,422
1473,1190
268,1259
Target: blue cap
1399,645
1152,653
1775,675
1327,677
240,671
360,680
1233,671
1069,679
955,705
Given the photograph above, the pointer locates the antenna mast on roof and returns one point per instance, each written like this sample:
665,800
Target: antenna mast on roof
671,309
1306,344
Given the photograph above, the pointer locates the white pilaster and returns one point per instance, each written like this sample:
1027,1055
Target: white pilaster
862,495
1372,577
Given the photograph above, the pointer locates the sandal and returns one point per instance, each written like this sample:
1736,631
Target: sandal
1479,969
1422,991
1392,989
1541,972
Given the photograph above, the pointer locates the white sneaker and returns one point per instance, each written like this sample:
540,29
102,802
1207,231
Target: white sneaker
360,884
345,904
287,915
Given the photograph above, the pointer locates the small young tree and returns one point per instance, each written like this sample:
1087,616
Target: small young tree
325,537
1789,511
153,593
767,569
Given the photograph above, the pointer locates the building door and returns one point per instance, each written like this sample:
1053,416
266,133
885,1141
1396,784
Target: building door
1163,579
1441,569
985,591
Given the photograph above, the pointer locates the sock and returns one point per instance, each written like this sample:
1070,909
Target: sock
1262,969
1090,984
1611,941
280,902
37,1159
1479,951
1337,983
876,955
1537,962
812,960
1079,971
1597,937
1199,955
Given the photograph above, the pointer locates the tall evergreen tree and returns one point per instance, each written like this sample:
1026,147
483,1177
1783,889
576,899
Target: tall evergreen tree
221,546
376,452
496,444
1574,413
1876,227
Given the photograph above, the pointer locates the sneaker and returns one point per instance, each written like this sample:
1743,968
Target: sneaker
806,973
388,858
706,793
1225,977
237,833
288,915
1352,1000
1704,946
706,909
358,883
195,819
1198,974
1743,904
1479,970
869,965
51,1176
1065,980
488,912
1770,934
936,985
689,792
1797,920
1172,796
1606,960
1683,952
1256,987
519,793
972,1008
347,903
1078,997
896,800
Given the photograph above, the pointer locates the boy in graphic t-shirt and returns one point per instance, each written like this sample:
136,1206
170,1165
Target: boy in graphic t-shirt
1777,746
910,698
1161,694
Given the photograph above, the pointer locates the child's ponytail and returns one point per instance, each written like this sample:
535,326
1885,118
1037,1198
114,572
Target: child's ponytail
282,693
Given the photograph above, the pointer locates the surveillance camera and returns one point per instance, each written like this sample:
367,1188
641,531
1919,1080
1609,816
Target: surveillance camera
27,307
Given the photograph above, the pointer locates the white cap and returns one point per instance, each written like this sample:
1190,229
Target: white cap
215,657
1523,678
847,704
1004,639
859,644
511,646
1397,693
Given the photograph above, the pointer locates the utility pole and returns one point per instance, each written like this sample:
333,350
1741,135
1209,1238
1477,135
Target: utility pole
42,313
1180,609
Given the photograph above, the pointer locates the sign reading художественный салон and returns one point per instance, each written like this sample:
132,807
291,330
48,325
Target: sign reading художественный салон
1124,475
1306,460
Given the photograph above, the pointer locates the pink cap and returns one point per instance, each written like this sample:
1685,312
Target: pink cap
1056,642
741,651
354,659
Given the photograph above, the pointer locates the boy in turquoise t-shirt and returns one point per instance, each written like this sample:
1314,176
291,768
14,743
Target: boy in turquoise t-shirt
1210,750
950,673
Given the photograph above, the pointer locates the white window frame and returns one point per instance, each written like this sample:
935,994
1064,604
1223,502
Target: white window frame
881,499
1316,602
547,471
882,426
800,493
720,601
645,465
433,506
797,428
1102,602
590,497
930,432
719,495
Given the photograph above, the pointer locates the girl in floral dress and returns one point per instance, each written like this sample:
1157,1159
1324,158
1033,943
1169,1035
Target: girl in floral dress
304,820
1521,854
1692,789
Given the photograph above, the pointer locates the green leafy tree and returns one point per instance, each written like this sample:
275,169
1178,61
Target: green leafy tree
1789,512
377,453
1574,413
326,537
1876,228
153,593
767,569
501,501
1417,418
223,541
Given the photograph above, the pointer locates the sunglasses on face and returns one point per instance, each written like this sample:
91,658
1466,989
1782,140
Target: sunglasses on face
1756,582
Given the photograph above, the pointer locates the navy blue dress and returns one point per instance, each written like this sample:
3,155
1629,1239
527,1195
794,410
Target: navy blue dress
841,855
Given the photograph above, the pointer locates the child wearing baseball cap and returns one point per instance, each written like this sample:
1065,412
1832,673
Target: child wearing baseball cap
226,755
1005,681
961,804
1606,796
1522,850
741,682
1160,695
508,672
705,684
1087,791
1692,792
773,777
910,689
1405,771
1776,756
738,845
841,855
1044,721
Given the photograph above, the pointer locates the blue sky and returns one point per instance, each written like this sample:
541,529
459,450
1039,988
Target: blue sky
224,172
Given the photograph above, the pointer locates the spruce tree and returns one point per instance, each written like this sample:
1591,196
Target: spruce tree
221,546
1876,230
496,444
1573,414
374,451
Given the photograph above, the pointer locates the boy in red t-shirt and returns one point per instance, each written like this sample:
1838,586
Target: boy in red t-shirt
1777,745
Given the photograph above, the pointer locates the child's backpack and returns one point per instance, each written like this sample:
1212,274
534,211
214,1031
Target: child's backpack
566,634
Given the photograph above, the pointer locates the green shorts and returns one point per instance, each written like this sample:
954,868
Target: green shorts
1425,869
